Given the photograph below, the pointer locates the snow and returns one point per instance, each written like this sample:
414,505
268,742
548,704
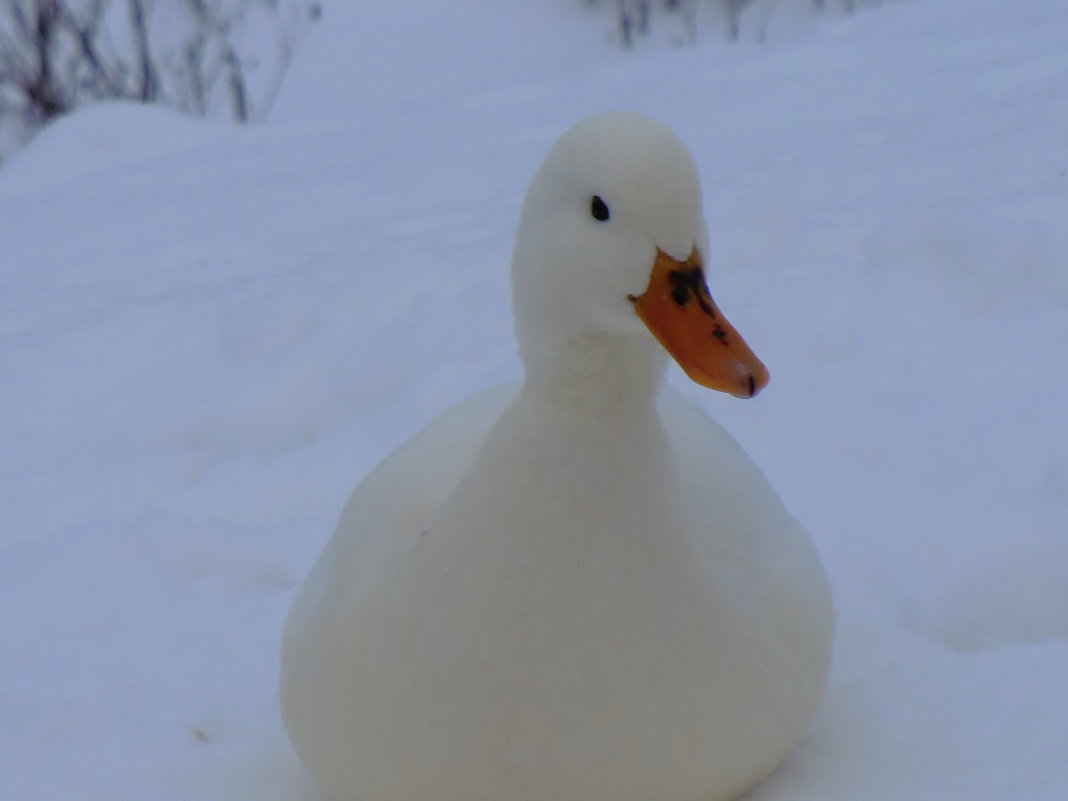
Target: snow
208,334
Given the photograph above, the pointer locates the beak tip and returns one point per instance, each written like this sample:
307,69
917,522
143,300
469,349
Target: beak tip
754,380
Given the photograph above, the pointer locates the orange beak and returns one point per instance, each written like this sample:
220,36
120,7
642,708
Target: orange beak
679,311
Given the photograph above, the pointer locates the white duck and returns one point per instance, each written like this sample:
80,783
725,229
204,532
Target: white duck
583,589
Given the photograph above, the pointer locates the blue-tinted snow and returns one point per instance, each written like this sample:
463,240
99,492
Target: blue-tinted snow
208,334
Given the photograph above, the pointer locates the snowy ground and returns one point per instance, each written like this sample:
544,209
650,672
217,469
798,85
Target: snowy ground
208,334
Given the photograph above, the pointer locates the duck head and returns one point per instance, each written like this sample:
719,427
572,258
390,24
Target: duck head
611,243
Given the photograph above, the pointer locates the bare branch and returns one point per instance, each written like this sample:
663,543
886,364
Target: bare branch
149,89
58,54
85,33
11,57
236,80
21,22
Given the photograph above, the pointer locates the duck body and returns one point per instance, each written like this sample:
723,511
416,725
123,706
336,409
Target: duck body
580,589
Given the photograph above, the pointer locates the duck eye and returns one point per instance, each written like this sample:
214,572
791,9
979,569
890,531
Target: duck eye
598,209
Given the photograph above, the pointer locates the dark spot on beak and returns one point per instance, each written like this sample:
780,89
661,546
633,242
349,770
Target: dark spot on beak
691,283
680,288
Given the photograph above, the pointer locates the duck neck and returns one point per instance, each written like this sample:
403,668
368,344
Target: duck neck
597,372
